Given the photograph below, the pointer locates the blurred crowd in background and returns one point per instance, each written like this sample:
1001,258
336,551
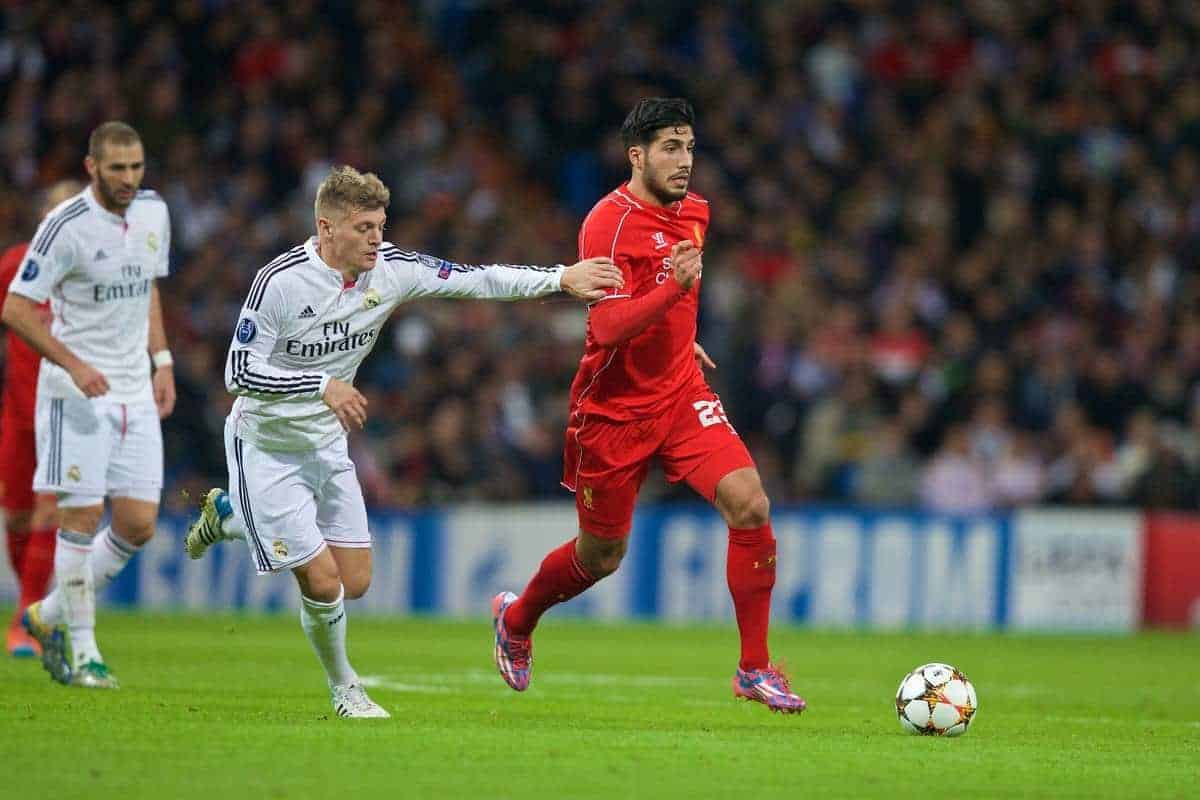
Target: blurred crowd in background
951,262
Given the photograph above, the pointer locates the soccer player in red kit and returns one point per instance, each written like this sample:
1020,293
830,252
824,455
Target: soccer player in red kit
28,518
640,394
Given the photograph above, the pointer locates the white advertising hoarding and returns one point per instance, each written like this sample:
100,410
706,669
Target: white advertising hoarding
1075,569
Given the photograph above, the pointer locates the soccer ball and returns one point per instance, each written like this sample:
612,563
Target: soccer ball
936,700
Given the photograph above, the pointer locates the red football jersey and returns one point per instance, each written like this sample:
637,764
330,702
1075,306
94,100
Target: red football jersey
640,377
22,361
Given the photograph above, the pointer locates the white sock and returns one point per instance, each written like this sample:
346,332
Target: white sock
325,626
51,610
232,527
110,554
77,596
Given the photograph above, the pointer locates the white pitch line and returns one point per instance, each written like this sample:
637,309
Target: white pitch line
383,682
473,676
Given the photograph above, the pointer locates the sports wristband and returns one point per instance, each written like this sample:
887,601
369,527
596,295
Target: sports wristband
162,359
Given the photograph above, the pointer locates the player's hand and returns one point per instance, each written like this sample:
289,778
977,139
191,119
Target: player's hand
591,278
164,390
702,357
89,379
686,263
347,403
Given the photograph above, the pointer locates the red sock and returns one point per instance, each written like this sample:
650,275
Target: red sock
17,542
750,571
37,567
560,577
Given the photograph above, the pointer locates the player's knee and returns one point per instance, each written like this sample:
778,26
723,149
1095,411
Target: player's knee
752,510
84,519
356,586
603,566
319,580
601,557
137,532
322,588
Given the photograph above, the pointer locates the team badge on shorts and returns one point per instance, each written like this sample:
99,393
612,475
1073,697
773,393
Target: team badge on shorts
73,473
246,330
371,298
587,498
279,547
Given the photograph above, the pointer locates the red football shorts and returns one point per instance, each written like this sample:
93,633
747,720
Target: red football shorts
18,460
605,462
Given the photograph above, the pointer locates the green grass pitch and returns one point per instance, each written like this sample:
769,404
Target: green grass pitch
223,707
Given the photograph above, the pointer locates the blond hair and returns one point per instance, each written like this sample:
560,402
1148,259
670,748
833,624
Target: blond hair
346,189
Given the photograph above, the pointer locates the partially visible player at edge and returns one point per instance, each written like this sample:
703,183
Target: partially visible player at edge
640,393
28,517
312,316
96,257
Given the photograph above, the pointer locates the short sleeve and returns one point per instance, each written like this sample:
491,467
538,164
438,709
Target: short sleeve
163,267
47,261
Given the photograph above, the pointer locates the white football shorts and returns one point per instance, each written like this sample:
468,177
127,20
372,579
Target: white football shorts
89,449
292,504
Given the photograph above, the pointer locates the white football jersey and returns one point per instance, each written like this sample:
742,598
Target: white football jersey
97,267
301,326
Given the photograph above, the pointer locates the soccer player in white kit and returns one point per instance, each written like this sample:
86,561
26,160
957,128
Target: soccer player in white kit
311,317
96,257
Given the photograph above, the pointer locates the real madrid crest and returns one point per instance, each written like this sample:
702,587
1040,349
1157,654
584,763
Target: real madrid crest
371,298
152,241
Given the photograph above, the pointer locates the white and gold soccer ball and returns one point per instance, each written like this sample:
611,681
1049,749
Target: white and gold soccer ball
936,700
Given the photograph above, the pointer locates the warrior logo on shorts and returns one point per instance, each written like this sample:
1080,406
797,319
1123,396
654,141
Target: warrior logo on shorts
587,498
74,474
371,298
279,547
246,330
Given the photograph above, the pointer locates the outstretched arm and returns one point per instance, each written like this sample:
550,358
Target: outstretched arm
428,276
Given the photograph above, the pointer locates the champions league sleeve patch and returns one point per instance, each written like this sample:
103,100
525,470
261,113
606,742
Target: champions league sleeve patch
443,267
30,271
246,330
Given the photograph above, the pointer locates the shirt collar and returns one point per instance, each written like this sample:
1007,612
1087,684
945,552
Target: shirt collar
335,275
310,248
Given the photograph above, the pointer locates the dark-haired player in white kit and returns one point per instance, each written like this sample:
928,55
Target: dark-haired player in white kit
312,315
96,257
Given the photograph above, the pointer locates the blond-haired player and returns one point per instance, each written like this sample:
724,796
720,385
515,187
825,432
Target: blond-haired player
312,315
